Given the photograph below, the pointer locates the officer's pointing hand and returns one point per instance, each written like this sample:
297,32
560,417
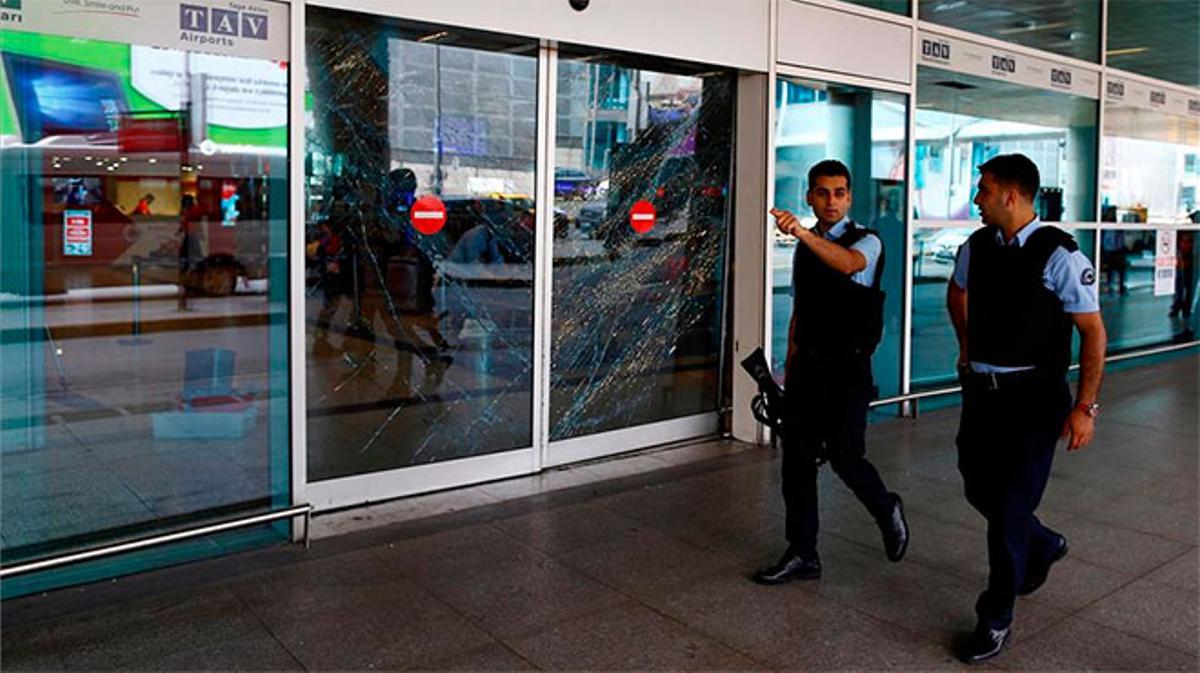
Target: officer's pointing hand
1079,428
786,222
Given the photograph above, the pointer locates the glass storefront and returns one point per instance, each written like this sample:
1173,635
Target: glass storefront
143,298
867,131
419,232
1150,179
961,122
641,193
144,240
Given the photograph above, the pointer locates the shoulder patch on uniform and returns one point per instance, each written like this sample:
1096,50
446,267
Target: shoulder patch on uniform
1088,277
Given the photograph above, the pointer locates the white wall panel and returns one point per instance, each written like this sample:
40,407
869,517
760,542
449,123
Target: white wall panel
722,32
818,37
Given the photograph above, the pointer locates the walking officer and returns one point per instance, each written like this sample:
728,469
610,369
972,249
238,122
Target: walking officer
1018,287
837,320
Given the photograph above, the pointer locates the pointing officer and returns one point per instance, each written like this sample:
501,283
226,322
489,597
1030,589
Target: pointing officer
837,320
1018,287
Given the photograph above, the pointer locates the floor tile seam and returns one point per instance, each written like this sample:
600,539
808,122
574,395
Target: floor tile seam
660,529
928,638
1137,636
946,569
1190,544
1120,587
638,601
242,600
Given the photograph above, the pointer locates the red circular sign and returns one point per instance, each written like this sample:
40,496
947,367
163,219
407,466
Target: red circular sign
428,215
642,216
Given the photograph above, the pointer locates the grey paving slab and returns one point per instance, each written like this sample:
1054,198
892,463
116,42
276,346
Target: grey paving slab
1162,614
565,529
490,657
789,627
524,596
257,652
1182,573
1073,584
1081,645
628,637
121,635
647,563
1110,546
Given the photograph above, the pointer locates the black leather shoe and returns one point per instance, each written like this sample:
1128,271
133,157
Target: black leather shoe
1036,575
895,532
790,567
983,644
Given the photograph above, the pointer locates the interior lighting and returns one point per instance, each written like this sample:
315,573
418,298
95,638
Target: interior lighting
1125,52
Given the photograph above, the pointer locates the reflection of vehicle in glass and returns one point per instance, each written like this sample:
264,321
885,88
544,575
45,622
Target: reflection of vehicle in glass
934,251
573,183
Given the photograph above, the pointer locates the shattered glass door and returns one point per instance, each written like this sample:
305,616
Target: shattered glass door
419,241
641,186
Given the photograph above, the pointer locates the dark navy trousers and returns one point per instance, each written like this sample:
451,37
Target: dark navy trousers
1006,442
826,414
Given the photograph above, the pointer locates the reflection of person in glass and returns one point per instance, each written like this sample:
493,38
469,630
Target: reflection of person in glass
143,205
1185,274
837,319
189,248
1113,258
328,255
1018,288
410,278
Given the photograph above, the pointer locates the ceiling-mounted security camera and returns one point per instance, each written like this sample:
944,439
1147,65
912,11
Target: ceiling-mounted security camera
579,5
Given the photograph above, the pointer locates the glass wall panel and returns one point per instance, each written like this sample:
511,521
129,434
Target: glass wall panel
1151,174
638,295
1158,38
866,130
893,6
420,232
1069,28
143,297
961,122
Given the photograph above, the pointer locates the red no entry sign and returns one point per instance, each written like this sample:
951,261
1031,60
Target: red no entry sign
428,215
642,216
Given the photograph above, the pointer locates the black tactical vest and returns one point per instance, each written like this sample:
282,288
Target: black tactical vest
1013,319
834,314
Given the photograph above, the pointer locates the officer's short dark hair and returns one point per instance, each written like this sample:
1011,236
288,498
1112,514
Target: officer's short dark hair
829,168
1014,169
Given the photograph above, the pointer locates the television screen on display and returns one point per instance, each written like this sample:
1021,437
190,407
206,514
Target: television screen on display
57,99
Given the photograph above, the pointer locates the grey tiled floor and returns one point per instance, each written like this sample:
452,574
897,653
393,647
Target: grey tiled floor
642,564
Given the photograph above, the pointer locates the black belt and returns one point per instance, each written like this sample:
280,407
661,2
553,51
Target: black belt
1005,380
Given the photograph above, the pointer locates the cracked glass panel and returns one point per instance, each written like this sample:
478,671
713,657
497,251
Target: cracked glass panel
419,243
637,313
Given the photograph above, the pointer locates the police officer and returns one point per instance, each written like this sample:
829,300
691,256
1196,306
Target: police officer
837,320
1018,287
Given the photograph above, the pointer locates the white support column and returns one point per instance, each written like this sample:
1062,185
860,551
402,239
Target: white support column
298,360
751,245
547,117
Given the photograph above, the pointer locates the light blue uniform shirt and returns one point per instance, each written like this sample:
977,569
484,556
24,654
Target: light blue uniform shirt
1069,275
870,247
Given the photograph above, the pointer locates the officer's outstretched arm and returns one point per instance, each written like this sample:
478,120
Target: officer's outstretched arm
842,260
